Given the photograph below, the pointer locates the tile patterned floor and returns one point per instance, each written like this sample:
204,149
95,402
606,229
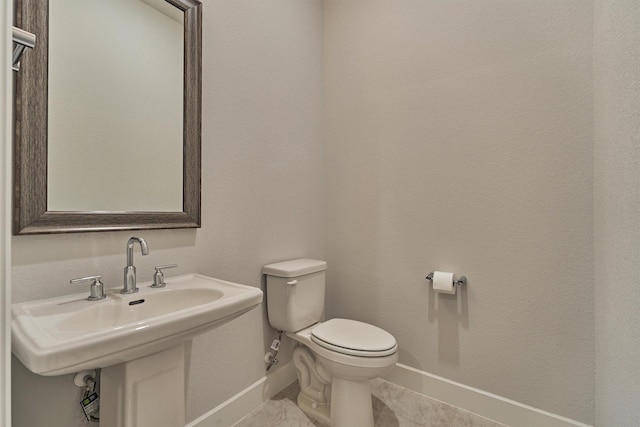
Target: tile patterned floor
393,406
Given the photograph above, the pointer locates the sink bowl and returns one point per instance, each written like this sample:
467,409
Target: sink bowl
67,334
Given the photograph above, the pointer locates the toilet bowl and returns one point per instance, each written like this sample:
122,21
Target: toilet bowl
344,371
334,359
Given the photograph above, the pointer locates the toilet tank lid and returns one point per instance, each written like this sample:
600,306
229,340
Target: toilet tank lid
295,267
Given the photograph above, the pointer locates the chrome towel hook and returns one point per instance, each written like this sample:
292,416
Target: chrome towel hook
23,39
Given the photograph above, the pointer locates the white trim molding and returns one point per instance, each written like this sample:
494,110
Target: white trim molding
6,119
479,402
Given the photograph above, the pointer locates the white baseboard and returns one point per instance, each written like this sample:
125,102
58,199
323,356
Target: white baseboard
237,407
488,405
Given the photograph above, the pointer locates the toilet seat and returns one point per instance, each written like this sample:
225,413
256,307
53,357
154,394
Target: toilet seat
354,338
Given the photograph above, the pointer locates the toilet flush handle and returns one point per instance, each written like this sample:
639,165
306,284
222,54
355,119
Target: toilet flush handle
292,282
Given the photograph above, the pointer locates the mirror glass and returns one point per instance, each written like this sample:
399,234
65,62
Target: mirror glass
115,106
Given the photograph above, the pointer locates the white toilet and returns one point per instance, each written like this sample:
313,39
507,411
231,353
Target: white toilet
334,359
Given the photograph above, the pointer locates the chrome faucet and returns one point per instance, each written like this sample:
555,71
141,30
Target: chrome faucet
130,271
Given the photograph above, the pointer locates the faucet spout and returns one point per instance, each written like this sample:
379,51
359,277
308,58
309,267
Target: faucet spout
143,247
130,270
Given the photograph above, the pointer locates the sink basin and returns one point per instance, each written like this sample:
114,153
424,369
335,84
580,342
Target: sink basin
137,309
67,334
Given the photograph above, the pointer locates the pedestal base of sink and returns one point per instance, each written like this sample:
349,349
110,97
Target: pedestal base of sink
146,392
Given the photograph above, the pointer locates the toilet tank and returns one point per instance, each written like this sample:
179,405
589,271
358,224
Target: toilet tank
295,293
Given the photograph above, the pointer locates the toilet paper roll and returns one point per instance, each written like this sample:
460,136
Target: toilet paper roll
443,282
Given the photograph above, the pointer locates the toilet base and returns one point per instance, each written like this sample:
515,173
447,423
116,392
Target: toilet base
336,401
317,411
350,406
334,387
351,403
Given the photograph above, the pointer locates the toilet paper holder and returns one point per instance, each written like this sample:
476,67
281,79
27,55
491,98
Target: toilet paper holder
459,282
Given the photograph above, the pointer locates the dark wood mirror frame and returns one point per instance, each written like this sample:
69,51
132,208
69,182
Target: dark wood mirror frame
30,215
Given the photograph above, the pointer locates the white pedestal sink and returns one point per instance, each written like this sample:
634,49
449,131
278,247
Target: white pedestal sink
138,339
145,392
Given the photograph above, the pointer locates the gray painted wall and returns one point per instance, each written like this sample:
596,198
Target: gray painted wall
459,138
262,197
617,212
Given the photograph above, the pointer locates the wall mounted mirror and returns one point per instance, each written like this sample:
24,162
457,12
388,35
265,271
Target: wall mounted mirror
108,116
